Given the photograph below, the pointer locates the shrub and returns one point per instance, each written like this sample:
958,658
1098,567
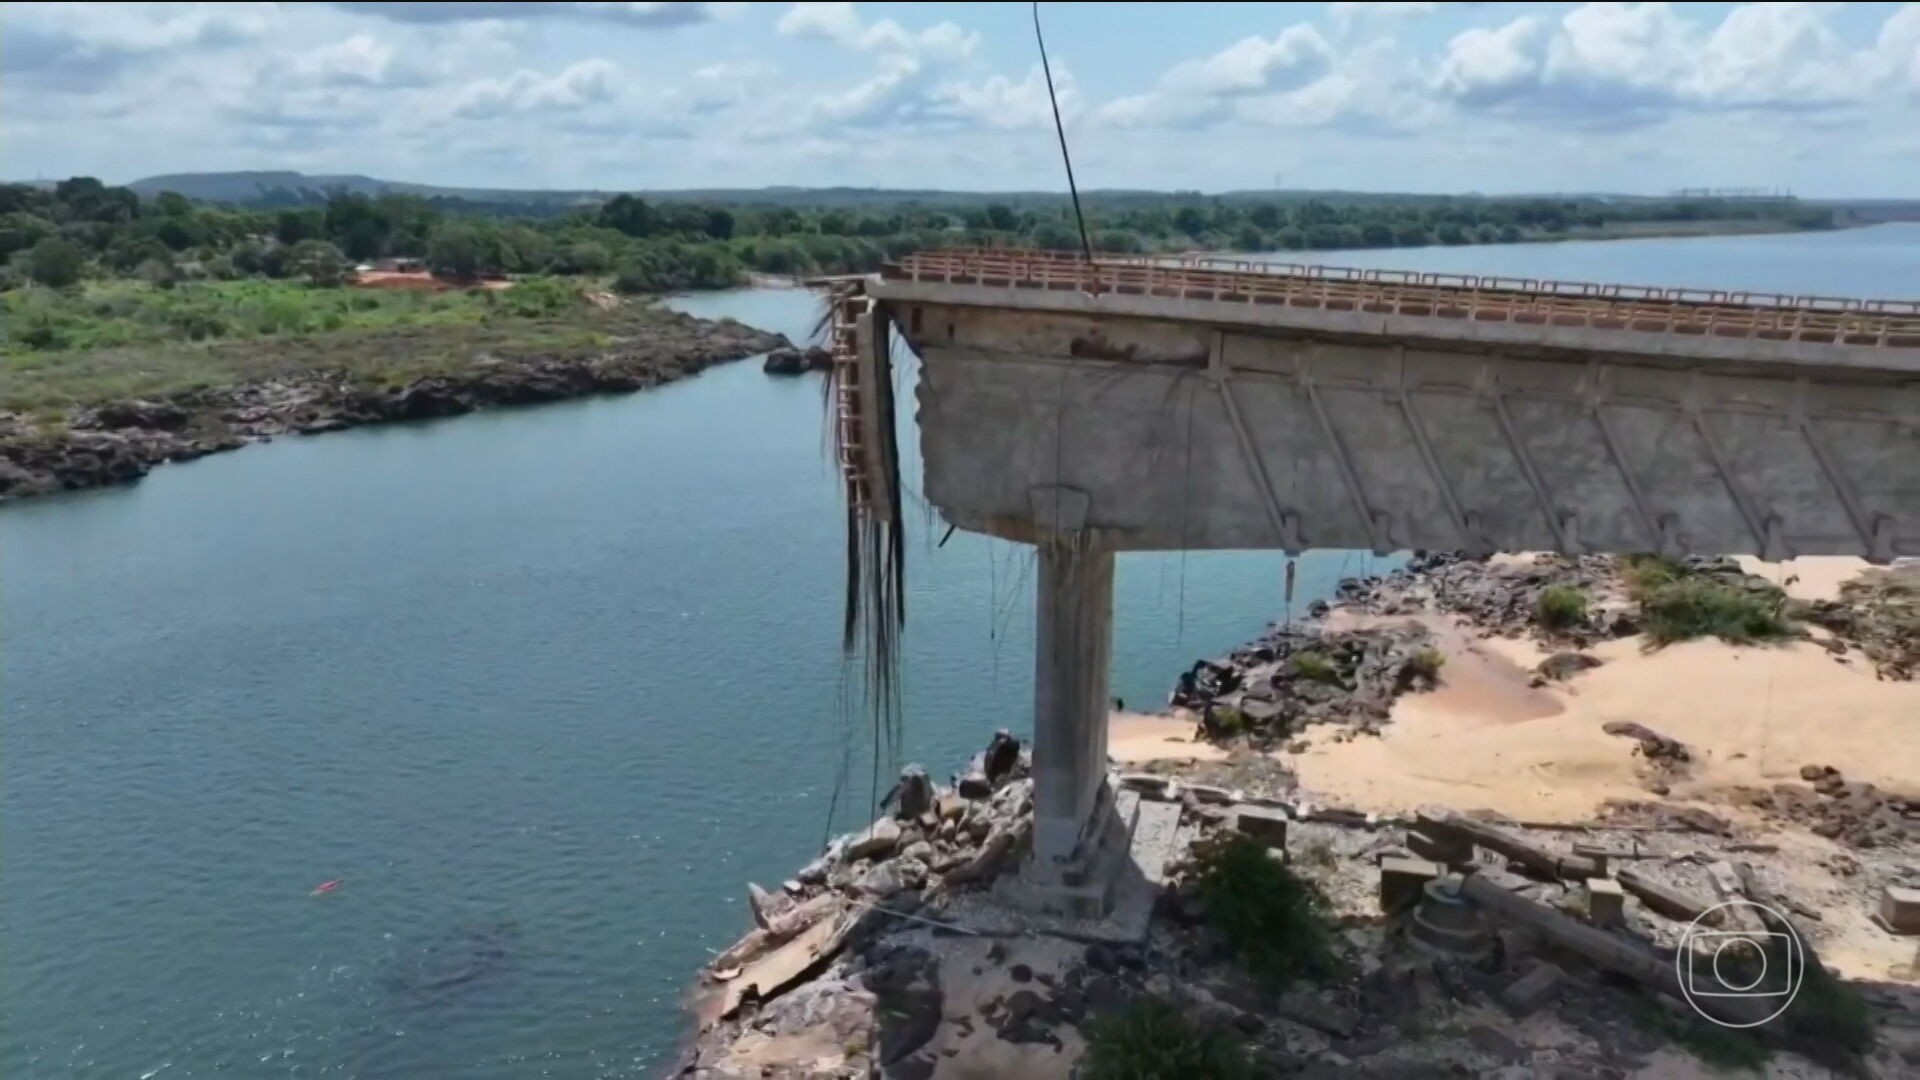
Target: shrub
1832,1015
1560,607
318,261
1645,573
39,329
1274,921
1153,1040
1693,607
536,297
1313,666
1426,663
1725,1048
55,262
1227,721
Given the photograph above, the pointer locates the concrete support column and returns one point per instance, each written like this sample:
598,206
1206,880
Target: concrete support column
1072,647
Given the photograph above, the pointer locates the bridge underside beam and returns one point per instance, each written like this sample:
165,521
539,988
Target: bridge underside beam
1194,435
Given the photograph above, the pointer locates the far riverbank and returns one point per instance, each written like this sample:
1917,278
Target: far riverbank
630,345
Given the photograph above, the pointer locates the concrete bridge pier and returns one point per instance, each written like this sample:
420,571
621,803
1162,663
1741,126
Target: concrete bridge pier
1078,840
1072,646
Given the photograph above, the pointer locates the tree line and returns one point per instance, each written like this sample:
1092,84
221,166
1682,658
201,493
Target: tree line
60,234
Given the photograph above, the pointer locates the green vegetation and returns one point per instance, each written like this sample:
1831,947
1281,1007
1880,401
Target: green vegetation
1832,1016
1427,663
82,228
1275,921
1561,607
1153,1040
1680,603
1228,721
1645,574
1722,1047
1694,607
406,337
1314,667
112,313
105,291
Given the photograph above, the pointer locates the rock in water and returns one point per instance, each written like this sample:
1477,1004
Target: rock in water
787,361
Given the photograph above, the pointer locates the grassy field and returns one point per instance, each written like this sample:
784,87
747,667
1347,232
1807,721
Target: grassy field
117,340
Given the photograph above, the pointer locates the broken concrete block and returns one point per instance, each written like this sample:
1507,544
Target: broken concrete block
1900,910
1262,823
1149,785
762,903
1207,793
1595,853
878,840
1525,995
1606,902
1401,882
1445,850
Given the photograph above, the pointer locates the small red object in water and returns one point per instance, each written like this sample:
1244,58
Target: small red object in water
328,886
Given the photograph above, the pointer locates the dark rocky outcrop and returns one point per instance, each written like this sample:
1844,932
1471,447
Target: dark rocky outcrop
1304,674
792,361
118,442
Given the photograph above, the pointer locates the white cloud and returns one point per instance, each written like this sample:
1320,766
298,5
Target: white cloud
1348,13
1482,65
1199,93
901,91
1292,58
839,22
1000,103
1896,53
360,60
82,45
582,94
577,86
658,15
1615,64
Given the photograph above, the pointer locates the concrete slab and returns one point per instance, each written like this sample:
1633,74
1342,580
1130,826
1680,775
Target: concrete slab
1154,839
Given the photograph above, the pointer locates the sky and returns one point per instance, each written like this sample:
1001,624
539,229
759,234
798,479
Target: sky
1823,99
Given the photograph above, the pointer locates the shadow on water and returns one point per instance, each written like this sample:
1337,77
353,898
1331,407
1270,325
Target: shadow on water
425,993
439,974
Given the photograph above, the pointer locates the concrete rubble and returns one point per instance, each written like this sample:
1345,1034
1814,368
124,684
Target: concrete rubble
1468,943
862,966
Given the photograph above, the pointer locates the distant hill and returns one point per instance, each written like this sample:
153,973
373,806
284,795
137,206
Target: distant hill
280,187
283,187
276,185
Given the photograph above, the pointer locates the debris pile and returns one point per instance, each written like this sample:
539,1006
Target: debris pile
1292,677
1879,614
1854,813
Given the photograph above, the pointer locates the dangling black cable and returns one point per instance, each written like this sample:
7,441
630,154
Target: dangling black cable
1086,245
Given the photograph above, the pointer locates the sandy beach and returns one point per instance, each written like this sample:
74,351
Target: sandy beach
1486,739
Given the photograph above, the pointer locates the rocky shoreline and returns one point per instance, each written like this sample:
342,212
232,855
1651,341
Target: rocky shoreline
879,959
120,441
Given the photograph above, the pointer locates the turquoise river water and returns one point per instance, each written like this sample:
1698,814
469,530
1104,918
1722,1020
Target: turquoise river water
542,689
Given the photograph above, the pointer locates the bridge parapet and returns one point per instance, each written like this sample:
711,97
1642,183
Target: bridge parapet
1470,300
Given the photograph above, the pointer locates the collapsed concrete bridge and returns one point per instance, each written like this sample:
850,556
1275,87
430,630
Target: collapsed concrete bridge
1146,404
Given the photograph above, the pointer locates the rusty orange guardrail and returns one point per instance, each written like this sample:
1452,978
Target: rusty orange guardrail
1472,298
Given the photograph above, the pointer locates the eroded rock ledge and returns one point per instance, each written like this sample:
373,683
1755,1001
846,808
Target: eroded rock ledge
120,441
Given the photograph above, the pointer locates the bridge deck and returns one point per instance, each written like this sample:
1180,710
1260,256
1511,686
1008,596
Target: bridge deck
1469,298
